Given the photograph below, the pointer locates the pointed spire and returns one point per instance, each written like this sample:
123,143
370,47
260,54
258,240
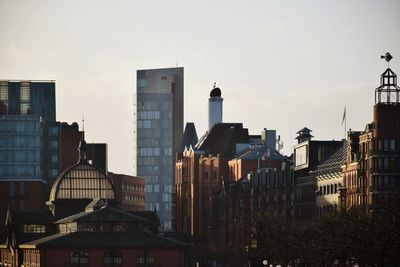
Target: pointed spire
82,145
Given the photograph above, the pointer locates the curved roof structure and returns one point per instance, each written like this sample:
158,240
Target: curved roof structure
215,92
82,181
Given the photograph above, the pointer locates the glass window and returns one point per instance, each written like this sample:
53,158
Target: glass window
79,257
167,224
24,108
112,258
22,189
141,257
4,91
24,92
53,131
392,145
54,144
11,192
142,83
156,188
54,158
34,228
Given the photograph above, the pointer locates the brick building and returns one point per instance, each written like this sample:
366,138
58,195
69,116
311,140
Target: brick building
371,173
83,227
129,191
200,171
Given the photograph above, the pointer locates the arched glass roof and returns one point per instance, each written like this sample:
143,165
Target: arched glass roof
82,181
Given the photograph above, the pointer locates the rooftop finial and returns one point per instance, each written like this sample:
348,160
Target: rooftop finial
83,122
82,145
215,85
387,57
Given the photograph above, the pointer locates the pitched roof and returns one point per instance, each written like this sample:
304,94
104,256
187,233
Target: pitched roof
139,239
332,165
262,151
105,214
189,137
35,216
151,216
222,139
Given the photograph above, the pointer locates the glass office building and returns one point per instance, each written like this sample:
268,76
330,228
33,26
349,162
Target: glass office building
29,134
158,128
20,147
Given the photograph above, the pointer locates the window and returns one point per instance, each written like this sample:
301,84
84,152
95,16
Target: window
24,98
54,158
166,197
11,191
24,93
34,228
148,188
156,188
3,97
53,172
167,188
54,144
112,258
145,257
22,189
79,257
167,224
142,83
24,108
392,145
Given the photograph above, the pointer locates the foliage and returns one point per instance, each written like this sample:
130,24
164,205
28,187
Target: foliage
344,238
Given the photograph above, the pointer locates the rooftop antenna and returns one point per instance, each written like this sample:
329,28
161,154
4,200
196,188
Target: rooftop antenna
83,125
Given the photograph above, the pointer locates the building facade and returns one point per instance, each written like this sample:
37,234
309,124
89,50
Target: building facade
29,144
308,155
200,172
83,227
158,128
329,178
129,191
372,173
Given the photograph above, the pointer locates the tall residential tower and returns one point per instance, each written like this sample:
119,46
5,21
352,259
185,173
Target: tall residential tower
158,128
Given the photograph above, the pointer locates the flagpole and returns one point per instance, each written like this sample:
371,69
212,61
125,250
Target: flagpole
344,119
345,123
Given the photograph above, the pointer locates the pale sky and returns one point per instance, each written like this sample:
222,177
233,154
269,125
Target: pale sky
280,64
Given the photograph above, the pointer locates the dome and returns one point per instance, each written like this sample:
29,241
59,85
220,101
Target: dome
216,92
82,181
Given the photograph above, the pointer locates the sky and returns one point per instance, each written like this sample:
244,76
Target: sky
280,64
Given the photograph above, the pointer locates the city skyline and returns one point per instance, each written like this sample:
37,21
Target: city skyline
273,56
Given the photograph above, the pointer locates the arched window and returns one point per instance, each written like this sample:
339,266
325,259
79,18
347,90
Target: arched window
112,258
79,257
145,258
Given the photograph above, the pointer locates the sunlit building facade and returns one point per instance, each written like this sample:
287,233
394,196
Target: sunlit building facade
158,128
